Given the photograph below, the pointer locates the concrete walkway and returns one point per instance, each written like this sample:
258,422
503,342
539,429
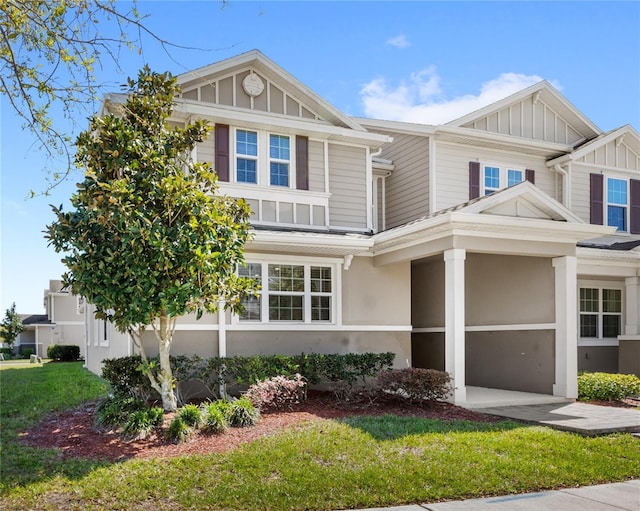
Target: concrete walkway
583,418
604,497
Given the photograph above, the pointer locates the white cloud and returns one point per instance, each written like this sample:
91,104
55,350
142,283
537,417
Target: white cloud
422,100
399,41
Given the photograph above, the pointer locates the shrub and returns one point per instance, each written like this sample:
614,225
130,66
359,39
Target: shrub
8,353
142,422
113,411
243,413
63,352
607,387
178,430
27,352
125,376
277,392
414,383
191,415
215,416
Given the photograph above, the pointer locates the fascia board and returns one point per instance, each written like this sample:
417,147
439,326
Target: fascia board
605,255
311,240
543,147
405,128
271,121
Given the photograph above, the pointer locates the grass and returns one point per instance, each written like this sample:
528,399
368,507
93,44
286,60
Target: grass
357,462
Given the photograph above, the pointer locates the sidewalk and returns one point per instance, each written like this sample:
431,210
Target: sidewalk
604,497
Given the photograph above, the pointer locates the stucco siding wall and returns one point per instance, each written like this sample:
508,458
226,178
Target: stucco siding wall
509,290
598,359
407,188
452,171
66,308
427,294
294,343
348,186
518,360
629,357
203,343
376,295
427,350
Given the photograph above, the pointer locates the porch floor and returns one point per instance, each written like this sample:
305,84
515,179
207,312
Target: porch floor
482,397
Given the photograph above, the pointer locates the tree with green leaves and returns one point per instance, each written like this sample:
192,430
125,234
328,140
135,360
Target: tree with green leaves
49,52
150,239
11,326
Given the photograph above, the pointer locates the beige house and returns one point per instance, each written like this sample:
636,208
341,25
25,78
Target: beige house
63,323
499,247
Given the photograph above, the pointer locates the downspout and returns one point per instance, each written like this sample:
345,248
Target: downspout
222,347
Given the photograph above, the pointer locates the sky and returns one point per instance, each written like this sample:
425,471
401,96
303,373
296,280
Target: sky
419,61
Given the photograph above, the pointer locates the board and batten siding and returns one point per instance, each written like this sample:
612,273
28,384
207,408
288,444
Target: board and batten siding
528,119
407,188
452,171
348,186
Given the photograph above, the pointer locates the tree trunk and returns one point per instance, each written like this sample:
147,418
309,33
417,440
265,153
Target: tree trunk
165,376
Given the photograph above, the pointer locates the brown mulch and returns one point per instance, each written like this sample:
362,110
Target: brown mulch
73,433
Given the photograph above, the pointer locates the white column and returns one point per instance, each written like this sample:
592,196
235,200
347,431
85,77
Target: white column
222,330
566,384
454,322
632,306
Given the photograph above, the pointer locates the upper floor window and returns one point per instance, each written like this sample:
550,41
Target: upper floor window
496,178
262,158
279,159
617,203
600,312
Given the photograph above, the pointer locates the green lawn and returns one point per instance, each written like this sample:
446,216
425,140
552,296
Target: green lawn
360,462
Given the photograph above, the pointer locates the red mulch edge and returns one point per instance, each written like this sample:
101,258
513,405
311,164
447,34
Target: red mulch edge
73,432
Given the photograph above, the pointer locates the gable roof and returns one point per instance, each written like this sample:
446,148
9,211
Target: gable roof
626,134
544,91
258,61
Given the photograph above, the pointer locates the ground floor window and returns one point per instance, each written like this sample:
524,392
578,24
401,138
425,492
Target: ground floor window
290,292
600,312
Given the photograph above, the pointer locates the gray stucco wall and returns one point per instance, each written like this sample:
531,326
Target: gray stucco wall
598,359
629,357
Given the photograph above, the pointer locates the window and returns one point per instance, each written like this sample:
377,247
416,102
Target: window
251,305
496,178
246,156
291,292
600,313
263,158
279,157
617,202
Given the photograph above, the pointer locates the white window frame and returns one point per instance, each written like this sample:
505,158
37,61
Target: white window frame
307,294
503,176
263,159
600,340
627,205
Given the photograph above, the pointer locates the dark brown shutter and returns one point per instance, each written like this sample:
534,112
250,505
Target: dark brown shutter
302,163
530,175
474,179
221,134
634,213
596,197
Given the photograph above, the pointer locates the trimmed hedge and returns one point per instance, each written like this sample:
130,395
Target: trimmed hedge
607,387
63,352
125,376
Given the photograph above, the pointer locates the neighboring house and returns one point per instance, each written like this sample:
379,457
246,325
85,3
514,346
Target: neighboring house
64,322
499,247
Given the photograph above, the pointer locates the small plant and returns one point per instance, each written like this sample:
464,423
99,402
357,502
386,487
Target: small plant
414,383
113,411
277,392
243,413
191,415
178,430
141,423
607,387
215,416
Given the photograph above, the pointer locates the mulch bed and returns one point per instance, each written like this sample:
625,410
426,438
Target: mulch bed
73,433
